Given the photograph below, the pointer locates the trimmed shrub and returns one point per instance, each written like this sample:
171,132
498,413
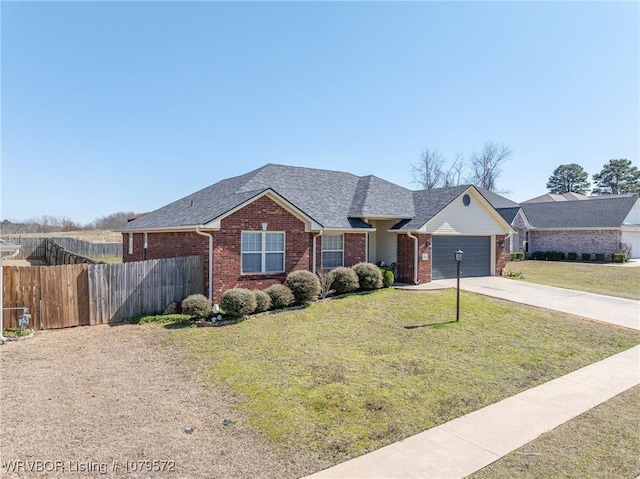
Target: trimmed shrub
344,280
599,256
548,255
619,257
263,301
586,256
388,278
369,276
281,296
238,302
572,256
197,306
305,286
516,256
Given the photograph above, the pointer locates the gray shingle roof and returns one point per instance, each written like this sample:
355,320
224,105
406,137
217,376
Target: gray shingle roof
508,214
333,199
496,200
429,203
594,213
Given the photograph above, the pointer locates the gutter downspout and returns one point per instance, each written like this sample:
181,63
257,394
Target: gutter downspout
202,233
12,255
313,269
415,257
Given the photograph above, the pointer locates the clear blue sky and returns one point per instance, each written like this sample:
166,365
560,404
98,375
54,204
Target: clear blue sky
127,106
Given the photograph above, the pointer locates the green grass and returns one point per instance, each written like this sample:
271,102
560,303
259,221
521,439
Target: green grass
108,259
176,319
345,376
15,332
602,443
609,280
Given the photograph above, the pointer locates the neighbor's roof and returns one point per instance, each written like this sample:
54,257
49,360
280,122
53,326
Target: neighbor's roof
8,246
508,214
603,212
333,199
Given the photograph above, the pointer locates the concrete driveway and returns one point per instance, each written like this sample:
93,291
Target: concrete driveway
618,311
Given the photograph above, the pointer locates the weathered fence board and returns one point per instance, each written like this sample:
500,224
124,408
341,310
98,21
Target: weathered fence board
35,247
83,294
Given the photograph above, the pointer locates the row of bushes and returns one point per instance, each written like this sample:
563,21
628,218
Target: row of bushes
301,287
561,256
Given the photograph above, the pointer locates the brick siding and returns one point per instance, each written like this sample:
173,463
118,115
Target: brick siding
587,241
405,259
501,254
227,246
355,248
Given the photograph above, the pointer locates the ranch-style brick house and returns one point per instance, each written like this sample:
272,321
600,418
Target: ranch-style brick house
580,224
254,229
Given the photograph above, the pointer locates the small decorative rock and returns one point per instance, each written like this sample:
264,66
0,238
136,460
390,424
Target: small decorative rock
227,422
188,430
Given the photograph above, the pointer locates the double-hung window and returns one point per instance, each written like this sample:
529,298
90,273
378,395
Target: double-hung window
332,251
262,252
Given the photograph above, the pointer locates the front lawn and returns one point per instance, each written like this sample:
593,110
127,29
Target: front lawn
594,278
346,376
602,443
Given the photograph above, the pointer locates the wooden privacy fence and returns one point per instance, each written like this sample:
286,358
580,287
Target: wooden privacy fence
35,248
85,294
56,255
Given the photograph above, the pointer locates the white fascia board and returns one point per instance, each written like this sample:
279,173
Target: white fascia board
172,229
347,230
384,217
585,228
309,223
521,213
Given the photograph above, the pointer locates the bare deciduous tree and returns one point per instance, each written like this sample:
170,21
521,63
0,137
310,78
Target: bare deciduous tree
486,165
429,173
111,221
453,176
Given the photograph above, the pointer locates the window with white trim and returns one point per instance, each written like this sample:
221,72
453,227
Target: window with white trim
332,251
262,252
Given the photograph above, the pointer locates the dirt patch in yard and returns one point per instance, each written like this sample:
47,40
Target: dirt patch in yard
108,401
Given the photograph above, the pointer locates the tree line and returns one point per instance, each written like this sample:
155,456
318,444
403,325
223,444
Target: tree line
484,166
56,224
618,176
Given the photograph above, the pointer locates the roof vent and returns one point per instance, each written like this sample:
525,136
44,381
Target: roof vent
191,203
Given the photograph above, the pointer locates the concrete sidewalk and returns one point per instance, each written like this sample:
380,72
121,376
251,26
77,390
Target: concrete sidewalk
618,311
467,444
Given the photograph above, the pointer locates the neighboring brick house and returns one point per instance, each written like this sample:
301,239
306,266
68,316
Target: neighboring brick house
256,228
588,224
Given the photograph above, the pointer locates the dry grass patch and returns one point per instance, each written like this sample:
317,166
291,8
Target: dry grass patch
92,236
602,443
593,278
346,376
108,395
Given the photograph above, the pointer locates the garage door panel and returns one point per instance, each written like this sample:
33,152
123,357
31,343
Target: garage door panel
476,260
